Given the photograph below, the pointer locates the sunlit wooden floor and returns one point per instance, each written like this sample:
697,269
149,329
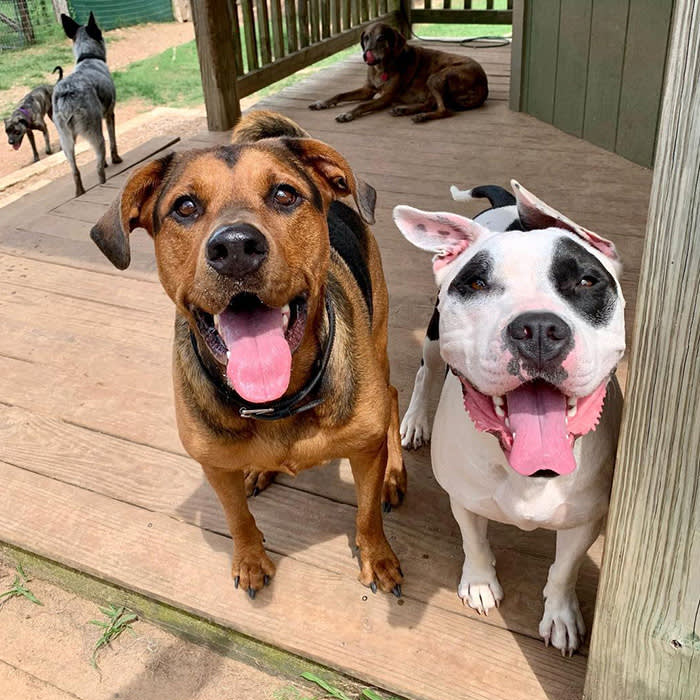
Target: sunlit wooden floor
93,474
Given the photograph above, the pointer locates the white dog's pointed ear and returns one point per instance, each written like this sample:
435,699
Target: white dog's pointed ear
440,232
535,214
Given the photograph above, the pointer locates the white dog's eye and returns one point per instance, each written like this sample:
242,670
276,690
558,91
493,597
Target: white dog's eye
477,284
587,281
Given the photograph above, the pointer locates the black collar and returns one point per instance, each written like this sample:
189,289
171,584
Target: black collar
288,405
86,56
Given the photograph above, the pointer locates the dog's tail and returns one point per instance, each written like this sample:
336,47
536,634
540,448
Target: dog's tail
58,70
498,196
263,124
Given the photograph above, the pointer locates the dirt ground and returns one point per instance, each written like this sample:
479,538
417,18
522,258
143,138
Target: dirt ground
45,654
127,45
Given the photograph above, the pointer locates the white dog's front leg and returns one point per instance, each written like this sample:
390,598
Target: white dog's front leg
415,426
562,623
479,587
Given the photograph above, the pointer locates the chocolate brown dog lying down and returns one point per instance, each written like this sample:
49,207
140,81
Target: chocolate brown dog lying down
279,358
427,83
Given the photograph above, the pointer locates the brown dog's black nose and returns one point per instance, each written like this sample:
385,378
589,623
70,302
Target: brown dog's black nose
236,251
541,337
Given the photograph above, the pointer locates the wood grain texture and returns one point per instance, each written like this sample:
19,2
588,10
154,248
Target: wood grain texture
646,640
86,414
217,62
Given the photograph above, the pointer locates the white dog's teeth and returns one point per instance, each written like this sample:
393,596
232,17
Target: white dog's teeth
499,411
507,422
571,412
498,400
228,354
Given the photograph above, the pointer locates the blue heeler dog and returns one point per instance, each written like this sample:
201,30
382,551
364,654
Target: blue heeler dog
29,115
85,97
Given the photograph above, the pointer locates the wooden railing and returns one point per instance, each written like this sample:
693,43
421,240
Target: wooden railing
245,45
461,12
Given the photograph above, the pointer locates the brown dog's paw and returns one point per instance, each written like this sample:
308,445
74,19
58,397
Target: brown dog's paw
398,111
394,487
344,117
255,482
319,105
251,570
380,568
419,118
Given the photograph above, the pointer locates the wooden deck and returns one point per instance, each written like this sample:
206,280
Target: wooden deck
93,474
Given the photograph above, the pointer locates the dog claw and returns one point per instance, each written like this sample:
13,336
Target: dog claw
386,507
251,593
396,590
236,581
266,580
256,491
373,587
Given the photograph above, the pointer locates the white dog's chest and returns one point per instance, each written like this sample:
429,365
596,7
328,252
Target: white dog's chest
471,467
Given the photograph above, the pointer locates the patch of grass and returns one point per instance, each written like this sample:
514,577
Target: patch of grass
33,66
19,588
118,620
333,692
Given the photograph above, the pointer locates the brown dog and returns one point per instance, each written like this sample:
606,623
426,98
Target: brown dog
426,83
280,358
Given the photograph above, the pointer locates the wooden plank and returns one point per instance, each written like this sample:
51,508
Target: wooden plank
325,19
645,639
572,65
251,41
303,15
163,558
277,31
517,65
256,80
542,58
315,20
462,16
642,79
263,22
236,30
217,62
346,14
608,34
290,14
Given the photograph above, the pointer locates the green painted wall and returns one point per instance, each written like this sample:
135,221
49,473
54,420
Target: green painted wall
111,14
595,69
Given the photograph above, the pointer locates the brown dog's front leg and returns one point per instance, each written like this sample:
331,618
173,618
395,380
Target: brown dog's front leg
252,568
386,98
363,93
379,565
395,479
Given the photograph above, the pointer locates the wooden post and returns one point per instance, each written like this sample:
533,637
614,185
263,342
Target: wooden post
516,56
404,9
213,30
646,635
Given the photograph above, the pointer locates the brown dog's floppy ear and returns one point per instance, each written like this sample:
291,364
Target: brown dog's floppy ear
398,41
133,208
333,171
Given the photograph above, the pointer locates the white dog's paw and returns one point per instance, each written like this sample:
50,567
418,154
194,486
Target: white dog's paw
415,429
562,625
481,593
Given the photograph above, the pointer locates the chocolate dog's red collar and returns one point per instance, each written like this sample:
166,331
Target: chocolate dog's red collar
287,406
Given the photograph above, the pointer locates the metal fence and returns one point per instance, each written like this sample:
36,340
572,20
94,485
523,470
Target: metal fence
26,22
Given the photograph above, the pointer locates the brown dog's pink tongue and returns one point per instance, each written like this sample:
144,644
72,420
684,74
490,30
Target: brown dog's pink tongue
537,414
260,361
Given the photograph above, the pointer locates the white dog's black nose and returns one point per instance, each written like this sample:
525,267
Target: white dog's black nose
540,337
237,251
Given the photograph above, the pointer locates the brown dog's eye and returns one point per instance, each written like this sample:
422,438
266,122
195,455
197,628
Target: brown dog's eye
285,195
185,207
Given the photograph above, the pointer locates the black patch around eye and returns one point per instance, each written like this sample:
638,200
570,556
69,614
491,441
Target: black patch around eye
475,278
594,301
433,332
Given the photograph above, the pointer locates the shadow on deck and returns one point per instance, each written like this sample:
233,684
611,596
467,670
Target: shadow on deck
94,476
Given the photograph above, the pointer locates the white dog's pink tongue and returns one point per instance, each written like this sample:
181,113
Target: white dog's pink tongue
537,414
260,361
